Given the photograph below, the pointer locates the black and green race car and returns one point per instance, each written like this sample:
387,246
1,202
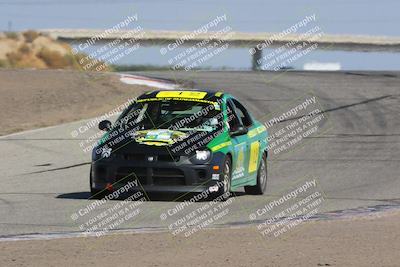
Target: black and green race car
182,141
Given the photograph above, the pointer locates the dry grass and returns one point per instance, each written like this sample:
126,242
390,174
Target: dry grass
25,49
4,63
53,59
11,35
32,50
14,58
30,36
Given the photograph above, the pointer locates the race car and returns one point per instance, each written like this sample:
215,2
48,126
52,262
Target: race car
181,141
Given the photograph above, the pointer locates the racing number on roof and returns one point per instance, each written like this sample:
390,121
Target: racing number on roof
254,150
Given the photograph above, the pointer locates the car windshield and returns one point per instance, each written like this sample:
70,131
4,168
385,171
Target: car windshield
176,115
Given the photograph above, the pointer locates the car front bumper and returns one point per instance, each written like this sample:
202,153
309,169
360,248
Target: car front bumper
165,173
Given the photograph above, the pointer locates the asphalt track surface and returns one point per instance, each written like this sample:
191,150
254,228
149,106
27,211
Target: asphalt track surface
355,157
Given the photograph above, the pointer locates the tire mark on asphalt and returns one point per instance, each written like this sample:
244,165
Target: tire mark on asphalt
344,106
60,168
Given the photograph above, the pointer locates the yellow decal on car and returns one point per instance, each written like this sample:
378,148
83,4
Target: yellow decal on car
158,137
182,94
176,98
254,150
256,131
152,143
240,158
222,145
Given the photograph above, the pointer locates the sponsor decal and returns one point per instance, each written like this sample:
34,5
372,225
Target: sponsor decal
159,137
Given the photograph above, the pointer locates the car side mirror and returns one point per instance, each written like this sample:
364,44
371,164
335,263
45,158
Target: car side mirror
105,125
240,131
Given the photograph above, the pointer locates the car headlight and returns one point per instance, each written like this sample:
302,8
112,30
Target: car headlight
202,156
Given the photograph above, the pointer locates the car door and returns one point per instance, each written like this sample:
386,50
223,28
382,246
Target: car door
251,140
240,147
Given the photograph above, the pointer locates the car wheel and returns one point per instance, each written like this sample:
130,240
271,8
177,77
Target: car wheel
225,188
261,185
95,194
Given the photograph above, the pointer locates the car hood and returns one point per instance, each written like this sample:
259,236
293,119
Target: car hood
155,141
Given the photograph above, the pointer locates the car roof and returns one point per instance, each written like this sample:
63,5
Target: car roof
185,93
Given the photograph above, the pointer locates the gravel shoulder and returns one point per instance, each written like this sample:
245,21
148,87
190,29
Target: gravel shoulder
37,98
360,241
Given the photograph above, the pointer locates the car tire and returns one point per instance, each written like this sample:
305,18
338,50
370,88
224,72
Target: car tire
261,185
94,193
224,190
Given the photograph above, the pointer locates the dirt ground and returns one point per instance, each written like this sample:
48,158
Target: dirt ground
362,241
37,98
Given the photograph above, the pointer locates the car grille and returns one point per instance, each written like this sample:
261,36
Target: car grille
160,176
167,172
126,174
133,157
168,158
143,157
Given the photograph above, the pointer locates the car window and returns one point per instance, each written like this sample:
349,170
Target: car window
233,120
242,113
174,114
